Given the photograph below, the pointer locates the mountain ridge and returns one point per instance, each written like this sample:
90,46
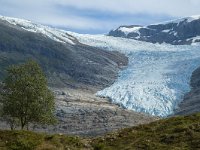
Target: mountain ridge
56,51
177,32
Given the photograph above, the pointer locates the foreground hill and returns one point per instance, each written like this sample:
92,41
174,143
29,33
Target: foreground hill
176,32
172,133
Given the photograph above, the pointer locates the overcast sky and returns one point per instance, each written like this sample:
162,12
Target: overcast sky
98,16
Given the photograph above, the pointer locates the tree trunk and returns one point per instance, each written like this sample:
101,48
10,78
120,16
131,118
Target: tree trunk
12,124
22,123
22,126
11,127
27,127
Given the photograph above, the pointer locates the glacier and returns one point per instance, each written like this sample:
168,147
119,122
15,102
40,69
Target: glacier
156,78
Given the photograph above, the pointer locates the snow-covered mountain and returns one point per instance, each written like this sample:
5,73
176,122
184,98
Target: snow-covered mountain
176,32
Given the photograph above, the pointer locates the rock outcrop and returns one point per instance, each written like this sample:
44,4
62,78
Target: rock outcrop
191,101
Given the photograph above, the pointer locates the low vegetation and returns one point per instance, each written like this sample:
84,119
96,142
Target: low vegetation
26,140
176,133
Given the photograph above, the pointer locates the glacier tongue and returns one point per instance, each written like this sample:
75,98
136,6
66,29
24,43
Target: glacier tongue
154,82
156,78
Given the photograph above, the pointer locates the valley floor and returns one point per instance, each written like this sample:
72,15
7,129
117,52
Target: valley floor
81,112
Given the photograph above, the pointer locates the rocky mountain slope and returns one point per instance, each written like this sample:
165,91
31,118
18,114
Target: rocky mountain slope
65,61
176,32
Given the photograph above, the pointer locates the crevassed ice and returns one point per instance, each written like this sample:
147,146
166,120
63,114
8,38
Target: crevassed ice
156,78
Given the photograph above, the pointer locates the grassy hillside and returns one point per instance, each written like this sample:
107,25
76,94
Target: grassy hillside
177,133
173,133
25,140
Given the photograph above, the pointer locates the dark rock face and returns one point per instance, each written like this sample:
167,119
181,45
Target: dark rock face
63,63
191,102
117,33
177,33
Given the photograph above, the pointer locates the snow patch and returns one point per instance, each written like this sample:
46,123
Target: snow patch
128,30
194,40
166,31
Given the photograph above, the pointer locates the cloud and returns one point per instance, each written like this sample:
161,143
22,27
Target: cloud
98,15
169,7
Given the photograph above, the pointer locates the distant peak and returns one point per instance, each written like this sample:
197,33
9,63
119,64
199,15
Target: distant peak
188,19
180,31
